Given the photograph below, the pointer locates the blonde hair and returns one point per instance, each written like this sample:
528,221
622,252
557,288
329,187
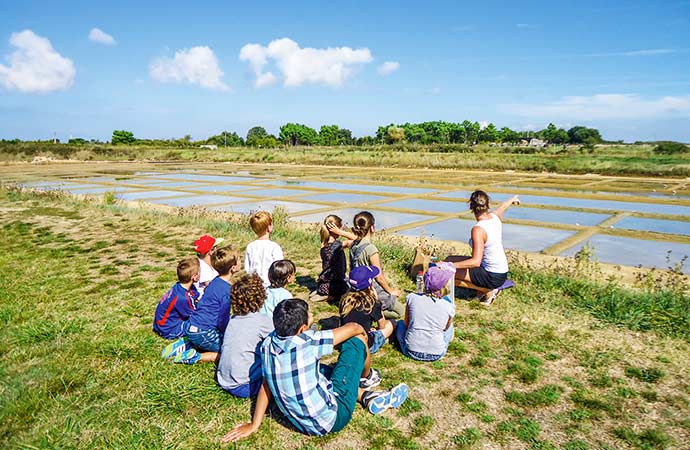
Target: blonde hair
323,232
260,221
187,268
361,300
445,290
363,222
223,258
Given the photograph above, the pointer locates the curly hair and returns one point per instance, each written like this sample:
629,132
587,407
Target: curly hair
360,300
248,294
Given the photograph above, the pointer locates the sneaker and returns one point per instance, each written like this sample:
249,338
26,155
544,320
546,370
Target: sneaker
190,356
379,401
174,348
371,381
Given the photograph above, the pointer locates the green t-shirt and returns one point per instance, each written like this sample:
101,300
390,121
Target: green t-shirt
361,253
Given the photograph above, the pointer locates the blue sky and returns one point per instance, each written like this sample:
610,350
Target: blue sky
174,68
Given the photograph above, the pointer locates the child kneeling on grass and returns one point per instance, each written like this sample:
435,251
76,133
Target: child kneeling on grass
203,332
427,329
176,305
361,305
280,274
293,376
239,369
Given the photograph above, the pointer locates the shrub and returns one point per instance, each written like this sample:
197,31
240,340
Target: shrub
670,148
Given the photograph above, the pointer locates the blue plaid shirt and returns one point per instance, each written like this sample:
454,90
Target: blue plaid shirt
291,369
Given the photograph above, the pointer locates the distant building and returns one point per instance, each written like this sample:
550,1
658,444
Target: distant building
209,146
524,143
537,143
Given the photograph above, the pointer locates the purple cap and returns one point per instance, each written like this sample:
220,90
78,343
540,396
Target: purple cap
437,276
361,277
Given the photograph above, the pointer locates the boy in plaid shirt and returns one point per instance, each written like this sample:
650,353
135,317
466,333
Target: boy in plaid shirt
315,403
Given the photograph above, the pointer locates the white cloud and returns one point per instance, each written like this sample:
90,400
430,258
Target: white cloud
101,37
35,67
298,66
603,106
198,65
483,124
388,68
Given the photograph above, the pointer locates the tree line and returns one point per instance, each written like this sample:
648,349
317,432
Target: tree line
436,132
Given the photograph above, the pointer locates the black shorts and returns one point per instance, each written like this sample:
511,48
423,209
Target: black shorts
483,278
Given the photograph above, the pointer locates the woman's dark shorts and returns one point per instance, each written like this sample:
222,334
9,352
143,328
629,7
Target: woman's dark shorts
482,278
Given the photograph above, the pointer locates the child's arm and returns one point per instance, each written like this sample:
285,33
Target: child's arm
245,429
515,200
340,231
375,260
342,334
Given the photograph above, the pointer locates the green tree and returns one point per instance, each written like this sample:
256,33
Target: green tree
508,135
230,138
489,134
298,134
256,135
472,130
77,141
329,134
122,137
583,135
345,136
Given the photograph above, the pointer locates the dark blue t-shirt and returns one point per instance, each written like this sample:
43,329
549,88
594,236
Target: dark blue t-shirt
173,308
213,310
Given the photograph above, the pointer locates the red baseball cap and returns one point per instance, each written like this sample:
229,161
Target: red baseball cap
205,243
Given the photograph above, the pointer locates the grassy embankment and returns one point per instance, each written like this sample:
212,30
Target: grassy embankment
560,361
603,159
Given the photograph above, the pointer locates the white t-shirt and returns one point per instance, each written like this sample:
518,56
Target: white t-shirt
428,317
260,255
206,274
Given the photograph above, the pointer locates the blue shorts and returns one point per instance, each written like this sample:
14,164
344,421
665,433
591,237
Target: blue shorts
203,340
376,340
250,389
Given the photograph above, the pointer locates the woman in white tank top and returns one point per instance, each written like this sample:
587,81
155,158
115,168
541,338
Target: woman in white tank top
487,268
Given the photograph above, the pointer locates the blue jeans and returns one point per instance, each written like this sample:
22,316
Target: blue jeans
203,340
401,331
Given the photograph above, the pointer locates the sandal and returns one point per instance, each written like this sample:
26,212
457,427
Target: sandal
488,298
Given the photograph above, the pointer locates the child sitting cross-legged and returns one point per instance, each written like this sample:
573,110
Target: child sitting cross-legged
361,305
203,332
239,369
294,377
427,328
280,274
176,305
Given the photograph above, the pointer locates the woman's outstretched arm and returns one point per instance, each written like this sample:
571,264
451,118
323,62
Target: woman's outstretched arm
514,200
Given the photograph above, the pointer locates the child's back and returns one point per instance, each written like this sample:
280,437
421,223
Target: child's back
262,252
239,368
177,305
173,309
280,274
259,256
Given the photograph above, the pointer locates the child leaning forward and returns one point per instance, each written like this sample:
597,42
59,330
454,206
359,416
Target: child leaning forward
361,305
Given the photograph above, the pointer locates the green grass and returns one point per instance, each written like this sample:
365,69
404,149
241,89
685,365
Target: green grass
603,159
80,367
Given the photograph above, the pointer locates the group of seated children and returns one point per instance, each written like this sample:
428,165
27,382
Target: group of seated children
266,344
